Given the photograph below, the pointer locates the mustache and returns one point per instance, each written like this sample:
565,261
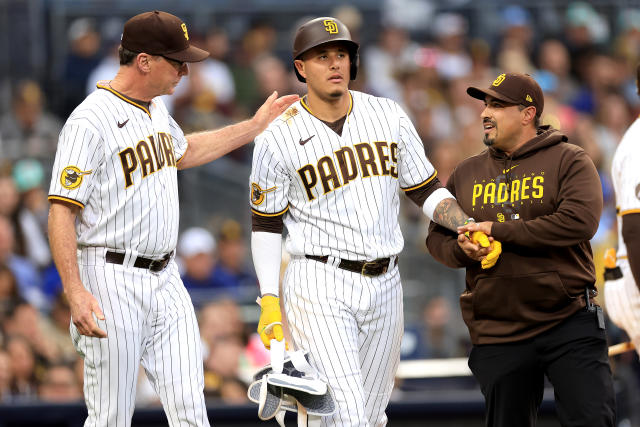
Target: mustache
488,120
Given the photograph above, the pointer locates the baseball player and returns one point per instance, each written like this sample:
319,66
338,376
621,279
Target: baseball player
622,297
113,226
329,169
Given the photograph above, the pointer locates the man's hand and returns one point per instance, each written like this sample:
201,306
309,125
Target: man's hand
470,227
270,323
83,305
474,249
272,108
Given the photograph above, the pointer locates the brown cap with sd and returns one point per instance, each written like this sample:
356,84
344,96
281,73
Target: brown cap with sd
163,34
514,88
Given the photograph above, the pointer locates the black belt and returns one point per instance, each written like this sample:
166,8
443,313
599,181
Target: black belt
366,268
154,265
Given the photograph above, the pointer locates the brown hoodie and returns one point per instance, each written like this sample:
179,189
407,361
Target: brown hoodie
545,201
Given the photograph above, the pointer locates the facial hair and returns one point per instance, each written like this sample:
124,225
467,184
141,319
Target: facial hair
488,141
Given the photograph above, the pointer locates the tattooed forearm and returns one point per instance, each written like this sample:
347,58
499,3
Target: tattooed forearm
449,214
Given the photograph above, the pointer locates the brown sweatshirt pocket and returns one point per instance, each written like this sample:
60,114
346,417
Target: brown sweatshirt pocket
534,297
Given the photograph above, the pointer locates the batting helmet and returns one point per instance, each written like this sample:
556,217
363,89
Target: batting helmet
320,31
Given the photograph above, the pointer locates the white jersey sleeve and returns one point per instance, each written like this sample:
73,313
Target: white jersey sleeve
179,140
80,154
269,175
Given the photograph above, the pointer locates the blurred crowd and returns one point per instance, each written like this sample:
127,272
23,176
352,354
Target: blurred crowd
585,63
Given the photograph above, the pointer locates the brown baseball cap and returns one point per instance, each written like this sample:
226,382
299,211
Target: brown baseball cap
160,33
514,88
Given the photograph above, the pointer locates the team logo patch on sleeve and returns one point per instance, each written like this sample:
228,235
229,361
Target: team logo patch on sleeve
289,114
71,177
257,193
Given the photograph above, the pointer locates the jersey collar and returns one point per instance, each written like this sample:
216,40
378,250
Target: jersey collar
134,102
303,102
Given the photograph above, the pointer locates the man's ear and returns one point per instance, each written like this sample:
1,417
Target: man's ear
529,115
299,64
143,61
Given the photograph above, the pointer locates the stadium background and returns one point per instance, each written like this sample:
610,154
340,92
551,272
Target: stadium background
422,53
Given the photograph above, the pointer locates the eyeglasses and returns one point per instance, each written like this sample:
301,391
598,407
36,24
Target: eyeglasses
176,64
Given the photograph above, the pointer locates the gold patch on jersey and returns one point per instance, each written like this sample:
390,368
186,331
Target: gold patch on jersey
289,114
257,193
71,177
500,217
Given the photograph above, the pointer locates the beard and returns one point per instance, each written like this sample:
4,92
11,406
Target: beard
336,94
488,141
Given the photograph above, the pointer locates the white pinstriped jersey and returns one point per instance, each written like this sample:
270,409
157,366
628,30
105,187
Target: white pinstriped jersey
340,193
626,178
117,160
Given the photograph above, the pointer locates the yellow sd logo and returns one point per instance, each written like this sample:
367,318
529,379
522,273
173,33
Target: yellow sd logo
71,177
500,217
499,79
257,193
528,98
184,30
330,26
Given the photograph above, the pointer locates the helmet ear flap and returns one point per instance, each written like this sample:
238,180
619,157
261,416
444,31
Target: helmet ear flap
355,62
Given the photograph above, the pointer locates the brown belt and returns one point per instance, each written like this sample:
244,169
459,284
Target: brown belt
366,268
154,265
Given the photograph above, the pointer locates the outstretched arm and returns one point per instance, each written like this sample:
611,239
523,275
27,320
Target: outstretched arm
207,146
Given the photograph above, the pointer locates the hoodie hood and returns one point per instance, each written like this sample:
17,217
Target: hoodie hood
546,137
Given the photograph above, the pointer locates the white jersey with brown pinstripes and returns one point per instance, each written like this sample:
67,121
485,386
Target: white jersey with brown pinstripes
117,159
341,191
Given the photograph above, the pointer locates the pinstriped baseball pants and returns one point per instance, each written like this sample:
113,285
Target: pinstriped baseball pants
149,319
352,326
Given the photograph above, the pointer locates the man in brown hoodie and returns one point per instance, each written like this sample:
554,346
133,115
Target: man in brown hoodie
533,313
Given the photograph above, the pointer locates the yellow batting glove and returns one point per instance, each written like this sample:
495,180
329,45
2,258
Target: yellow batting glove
493,255
270,323
479,238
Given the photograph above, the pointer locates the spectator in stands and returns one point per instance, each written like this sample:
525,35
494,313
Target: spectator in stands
554,68
433,337
224,343
56,328
25,321
450,31
259,40
215,72
231,271
84,55
196,249
32,213
225,273
27,277
23,383
222,372
59,385
393,51
28,129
